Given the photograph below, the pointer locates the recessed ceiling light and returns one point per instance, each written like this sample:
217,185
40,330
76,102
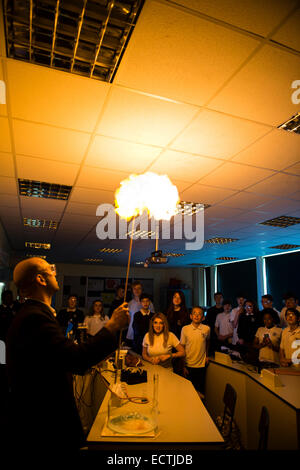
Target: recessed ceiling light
40,223
292,124
41,189
86,38
283,221
38,246
227,258
111,250
93,260
174,255
140,234
30,255
285,246
221,240
190,208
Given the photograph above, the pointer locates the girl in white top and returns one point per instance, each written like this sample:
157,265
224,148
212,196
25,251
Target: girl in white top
290,339
97,319
158,343
267,340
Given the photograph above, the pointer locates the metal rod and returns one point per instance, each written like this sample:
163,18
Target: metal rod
103,30
30,29
157,234
78,34
125,292
54,31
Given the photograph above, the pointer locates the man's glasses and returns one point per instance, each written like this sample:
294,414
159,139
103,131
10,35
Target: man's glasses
52,268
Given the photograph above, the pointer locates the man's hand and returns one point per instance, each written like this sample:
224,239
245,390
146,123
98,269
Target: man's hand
164,357
285,363
120,319
155,360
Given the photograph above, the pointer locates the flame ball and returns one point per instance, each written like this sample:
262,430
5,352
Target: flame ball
148,192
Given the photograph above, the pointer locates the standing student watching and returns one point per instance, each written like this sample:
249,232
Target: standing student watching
71,314
267,339
210,320
177,313
235,316
134,306
291,301
97,319
159,342
141,323
290,339
223,326
195,340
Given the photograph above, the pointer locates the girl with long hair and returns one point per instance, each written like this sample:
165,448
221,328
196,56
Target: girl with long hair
159,342
96,319
177,313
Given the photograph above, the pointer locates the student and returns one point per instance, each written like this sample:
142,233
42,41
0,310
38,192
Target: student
195,340
134,306
291,301
267,339
248,324
118,300
7,313
177,313
210,320
70,315
97,319
290,339
224,326
267,302
235,316
159,342
141,323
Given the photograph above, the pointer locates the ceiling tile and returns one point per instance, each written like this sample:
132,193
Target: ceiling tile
223,212
49,142
120,155
11,212
279,185
295,169
233,176
81,222
6,164
206,54
143,119
8,185
246,200
46,170
91,196
288,34
218,135
91,177
9,200
280,207
206,194
261,91
295,196
84,209
188,167
275,150
251,15
5,145
38,206
49,96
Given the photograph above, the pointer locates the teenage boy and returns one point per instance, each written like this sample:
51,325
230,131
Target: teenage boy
235,316
223,326
134,306
210,320
141,321
69,317
291,301
290,339
195,340
267,339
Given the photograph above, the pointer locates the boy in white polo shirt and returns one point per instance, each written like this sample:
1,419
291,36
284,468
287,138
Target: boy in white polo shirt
195,340
267,339
290,339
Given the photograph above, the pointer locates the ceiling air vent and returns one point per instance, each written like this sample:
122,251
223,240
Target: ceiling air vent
227,258
38,246
86,37
174,255
40,223
221,240
283,221
284,246
32,188
292,125
111,250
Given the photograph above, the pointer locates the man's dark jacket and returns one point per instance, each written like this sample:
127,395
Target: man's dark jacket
40,362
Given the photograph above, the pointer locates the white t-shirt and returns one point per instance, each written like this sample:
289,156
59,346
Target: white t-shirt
158,348
287,339
267,354
233,315
134,307
194,340
283,322
95,323
224,323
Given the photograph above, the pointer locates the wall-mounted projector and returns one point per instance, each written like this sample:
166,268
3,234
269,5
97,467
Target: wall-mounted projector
156,258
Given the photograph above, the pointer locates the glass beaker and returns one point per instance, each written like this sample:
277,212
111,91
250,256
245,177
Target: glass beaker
135,411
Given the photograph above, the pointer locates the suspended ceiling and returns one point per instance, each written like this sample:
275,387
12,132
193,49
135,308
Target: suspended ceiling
198,95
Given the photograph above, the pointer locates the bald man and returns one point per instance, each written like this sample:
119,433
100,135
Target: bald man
41,360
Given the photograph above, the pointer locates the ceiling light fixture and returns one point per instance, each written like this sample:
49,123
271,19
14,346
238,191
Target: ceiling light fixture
40,223
38,246
292,124
221,240
31,188
283,221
